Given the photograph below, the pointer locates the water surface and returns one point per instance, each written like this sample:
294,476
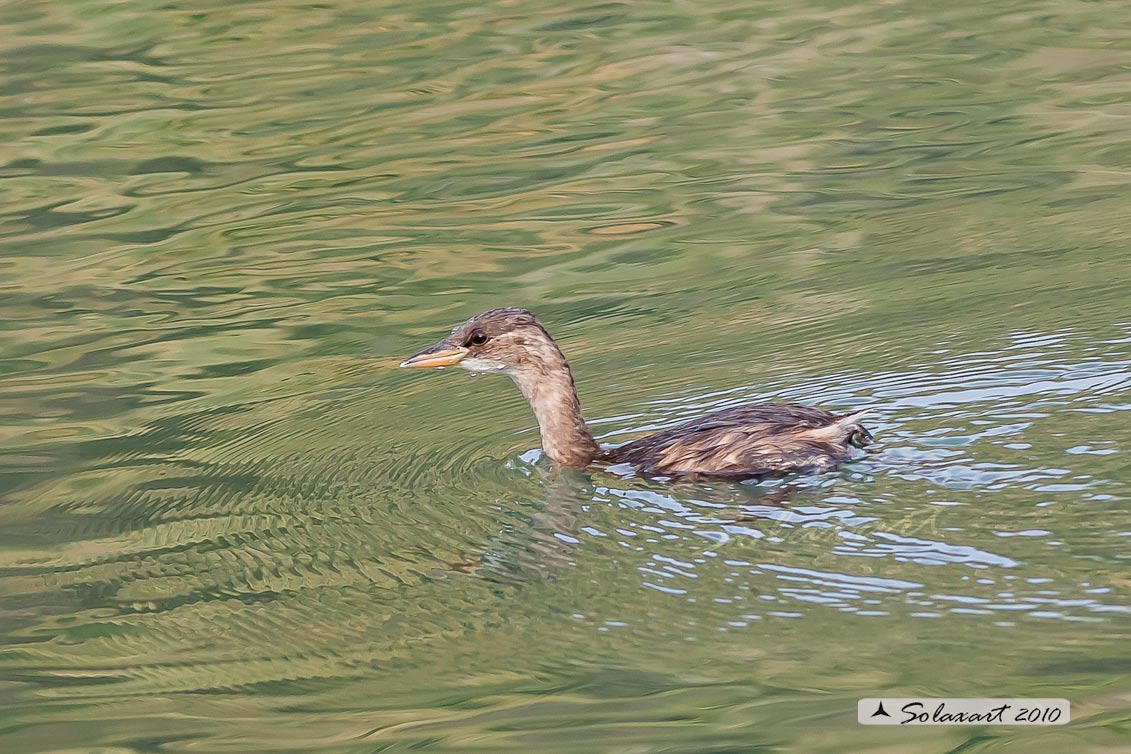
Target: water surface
229,524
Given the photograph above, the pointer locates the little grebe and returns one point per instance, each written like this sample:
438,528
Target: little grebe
764,439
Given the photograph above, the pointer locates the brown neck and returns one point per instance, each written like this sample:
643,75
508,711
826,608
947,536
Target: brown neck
550,391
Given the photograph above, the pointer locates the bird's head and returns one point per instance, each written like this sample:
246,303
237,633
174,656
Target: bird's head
511,341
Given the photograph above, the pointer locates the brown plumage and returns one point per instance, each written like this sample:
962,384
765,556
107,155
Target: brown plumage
764,439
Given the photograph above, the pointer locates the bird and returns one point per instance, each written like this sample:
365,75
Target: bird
759,440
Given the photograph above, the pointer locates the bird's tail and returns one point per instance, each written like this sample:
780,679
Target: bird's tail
845,429
854,432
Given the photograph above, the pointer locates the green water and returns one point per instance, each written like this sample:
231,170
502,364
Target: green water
228,523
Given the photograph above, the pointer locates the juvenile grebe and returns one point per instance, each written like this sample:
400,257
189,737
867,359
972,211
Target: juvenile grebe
763,439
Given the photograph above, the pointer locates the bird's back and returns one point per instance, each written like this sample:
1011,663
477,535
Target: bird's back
764,439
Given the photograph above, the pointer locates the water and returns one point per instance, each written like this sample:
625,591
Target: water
229,524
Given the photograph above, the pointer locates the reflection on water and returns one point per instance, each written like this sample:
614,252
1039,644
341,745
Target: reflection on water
228,523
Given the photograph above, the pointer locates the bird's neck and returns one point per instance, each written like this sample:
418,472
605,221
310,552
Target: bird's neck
553,398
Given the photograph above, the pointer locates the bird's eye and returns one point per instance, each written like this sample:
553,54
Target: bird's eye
477,338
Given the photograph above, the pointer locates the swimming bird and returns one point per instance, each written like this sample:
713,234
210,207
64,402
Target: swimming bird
755,440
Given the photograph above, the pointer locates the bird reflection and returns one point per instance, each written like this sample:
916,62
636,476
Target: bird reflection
545,543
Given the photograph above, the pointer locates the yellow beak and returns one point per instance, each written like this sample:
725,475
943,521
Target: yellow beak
439,355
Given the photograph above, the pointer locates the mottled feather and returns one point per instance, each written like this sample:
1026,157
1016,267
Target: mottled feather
757,440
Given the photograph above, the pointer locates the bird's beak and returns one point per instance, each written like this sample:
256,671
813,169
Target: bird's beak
440,355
